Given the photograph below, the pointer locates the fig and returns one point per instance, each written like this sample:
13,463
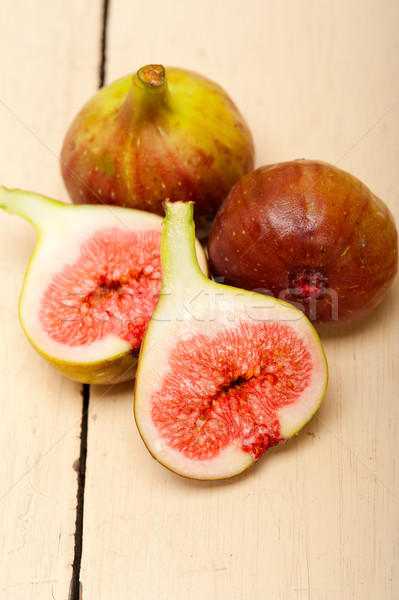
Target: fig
92,283
309,233
237,372
159,133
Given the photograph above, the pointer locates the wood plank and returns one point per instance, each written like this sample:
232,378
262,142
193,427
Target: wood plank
50,54
317,518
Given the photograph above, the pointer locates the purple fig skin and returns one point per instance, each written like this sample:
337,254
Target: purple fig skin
159,133
309,233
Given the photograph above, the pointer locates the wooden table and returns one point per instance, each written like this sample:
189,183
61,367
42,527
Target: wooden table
316,519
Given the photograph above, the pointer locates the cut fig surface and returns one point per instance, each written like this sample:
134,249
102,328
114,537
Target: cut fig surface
117,275
91,286
237,372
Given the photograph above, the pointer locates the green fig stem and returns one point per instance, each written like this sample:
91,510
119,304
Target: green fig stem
151,76
35,208
179,259
148,96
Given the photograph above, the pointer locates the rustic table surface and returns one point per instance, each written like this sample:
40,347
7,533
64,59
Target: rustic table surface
85,512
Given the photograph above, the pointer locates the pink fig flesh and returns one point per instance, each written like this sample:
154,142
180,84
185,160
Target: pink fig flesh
245,375
111,289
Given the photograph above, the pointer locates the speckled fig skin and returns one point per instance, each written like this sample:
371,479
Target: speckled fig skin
159,133
309,233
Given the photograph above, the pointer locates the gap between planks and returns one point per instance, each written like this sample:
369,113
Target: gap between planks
75,590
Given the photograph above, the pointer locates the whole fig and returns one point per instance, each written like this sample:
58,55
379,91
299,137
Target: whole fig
308,233
160,133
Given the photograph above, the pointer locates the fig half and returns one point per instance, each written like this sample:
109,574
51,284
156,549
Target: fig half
237,372
308,233
91,286
159,133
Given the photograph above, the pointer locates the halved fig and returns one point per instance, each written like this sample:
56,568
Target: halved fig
91,286
237,372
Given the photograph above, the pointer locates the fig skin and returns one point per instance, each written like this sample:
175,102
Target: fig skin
159,133
308,233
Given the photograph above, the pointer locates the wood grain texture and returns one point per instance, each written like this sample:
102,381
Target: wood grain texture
318,518
47,67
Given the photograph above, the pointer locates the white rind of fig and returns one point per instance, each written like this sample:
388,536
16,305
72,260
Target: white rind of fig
192,308
61,231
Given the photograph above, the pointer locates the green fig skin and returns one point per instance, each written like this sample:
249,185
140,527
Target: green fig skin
116,369
309,233
160,133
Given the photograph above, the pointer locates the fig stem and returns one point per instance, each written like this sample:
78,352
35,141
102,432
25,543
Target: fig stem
151,76
179,259
148,95
35,208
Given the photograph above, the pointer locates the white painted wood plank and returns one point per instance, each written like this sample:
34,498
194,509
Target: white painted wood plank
49,62
317,518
